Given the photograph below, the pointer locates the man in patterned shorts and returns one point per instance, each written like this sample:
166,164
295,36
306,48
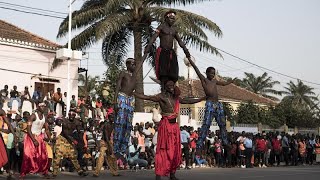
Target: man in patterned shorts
65,145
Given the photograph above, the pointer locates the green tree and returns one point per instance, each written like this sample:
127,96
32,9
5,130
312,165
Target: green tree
248,113
262,85
91,85
229,112
115,21
301,95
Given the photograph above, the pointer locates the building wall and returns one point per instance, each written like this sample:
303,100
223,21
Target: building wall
34,62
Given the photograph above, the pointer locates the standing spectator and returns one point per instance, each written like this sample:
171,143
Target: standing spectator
57,98
302,150
317,150
14,95
193,145
37,95
248,150
294,151
218,152
73,102
310,149
141,138
285,148
185,139
3,95
261,146
276,144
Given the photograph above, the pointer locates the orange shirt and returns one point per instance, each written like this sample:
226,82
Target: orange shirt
57,97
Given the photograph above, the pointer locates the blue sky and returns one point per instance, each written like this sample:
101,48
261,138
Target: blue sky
281,35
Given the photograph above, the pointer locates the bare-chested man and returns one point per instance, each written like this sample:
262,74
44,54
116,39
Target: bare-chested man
168,153
166,59
106,147
124,106
214,108
65,144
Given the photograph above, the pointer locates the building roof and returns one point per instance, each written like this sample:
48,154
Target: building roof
227,93
12,34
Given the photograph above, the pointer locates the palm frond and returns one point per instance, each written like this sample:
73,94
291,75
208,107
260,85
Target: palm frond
174,2
185,17
116,45
82,18
113,23
198,43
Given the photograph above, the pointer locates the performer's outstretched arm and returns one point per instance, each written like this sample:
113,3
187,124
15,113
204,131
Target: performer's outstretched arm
196,69
224,83
144,97
182,45
152,40
191,101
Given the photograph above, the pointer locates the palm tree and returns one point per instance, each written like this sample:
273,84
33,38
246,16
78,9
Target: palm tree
301,95
91,85
116,21
262,85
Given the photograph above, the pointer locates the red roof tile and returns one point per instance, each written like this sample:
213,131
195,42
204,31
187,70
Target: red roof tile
10,33
229,92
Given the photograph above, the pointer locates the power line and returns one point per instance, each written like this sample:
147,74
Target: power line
28,12
33,8
267,69
22,72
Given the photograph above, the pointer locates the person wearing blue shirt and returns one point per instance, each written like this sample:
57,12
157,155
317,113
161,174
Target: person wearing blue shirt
248,145
185,139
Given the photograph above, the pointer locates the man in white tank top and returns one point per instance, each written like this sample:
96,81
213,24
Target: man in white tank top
35,156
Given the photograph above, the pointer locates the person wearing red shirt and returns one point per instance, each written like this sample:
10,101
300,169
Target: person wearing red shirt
261,146
193,145
276,148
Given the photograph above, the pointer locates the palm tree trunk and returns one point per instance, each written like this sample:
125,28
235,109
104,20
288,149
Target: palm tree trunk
137,36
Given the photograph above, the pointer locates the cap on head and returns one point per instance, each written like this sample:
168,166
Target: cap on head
170,13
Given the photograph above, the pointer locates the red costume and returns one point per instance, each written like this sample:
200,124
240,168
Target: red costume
3,151
35,159
168,154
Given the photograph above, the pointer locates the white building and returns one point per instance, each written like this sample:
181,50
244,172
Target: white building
26,60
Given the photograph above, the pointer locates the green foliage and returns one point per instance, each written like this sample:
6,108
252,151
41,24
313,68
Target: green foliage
228,112
111,78
262,85
275,116
248,113
301,95
91,85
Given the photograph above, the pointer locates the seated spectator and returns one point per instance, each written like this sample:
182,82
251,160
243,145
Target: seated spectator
73,102
37,95
134,151
201,161
14,95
